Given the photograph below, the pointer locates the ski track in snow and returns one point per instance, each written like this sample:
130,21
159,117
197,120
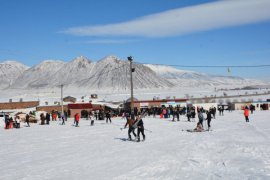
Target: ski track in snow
233,150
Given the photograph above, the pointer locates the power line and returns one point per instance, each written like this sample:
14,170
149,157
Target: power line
210,66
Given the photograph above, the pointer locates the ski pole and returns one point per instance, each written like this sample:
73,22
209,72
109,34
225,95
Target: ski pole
148,130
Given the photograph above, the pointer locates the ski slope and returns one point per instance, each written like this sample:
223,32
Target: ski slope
233,150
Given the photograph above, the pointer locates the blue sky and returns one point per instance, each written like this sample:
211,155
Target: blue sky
183,32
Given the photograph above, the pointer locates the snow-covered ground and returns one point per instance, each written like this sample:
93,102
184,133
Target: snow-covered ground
233,150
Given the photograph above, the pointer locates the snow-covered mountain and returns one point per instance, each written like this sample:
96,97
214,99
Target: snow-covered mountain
110,73
194,79
39,75
9,72
73,72
113,73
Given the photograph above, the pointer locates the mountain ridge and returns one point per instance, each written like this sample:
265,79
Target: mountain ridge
111,73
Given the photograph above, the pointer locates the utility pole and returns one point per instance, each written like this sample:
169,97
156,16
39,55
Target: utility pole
62,106
130,59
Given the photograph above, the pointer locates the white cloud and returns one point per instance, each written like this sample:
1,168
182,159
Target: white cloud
110,41
186,20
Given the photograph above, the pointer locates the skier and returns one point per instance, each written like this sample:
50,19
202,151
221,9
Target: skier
17,122
252,108
200,116
77,119
131,129
188,115
219,109
193,113
96,115
140,128
48,118
6,121
27,117
177,114
42,118
199,127
208,118
222,110
108,117
54,116
246,113
63,118
91,118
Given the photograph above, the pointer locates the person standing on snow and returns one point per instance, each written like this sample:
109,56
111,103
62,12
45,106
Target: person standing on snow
140,128
77,119
246,113
208,118
27,118
48,118
108,117
200,116
42,118
63,118
131,129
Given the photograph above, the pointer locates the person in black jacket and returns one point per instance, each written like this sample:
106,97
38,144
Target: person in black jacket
208,118
27,119
48,118
140,128
108,117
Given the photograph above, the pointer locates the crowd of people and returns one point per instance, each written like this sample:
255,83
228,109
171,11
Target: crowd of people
134,120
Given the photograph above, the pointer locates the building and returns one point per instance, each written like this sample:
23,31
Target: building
19,105
69,99
261,105
155,103
49,109
78,108
205,106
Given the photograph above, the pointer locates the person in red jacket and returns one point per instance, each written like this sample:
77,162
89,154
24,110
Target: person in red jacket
77,119
246,114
